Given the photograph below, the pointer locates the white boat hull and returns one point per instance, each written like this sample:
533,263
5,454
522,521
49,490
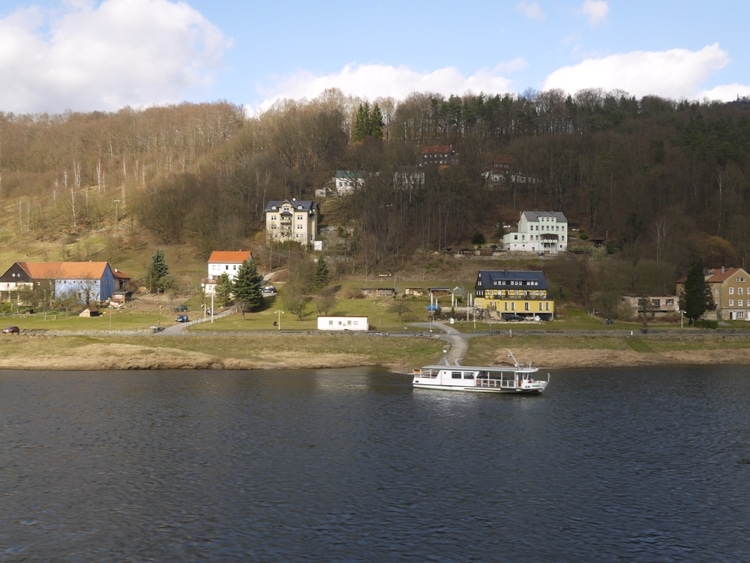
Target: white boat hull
517,379
535,391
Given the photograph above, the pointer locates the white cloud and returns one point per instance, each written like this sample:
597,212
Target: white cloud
531,10
726,92
595,11
674,74
105,56
374,81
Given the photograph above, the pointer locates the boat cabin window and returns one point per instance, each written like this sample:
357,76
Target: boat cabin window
455,375
469,375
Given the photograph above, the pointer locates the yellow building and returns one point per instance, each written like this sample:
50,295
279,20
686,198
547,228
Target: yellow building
514,295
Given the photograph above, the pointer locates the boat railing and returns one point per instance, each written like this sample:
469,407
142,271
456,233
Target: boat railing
496,383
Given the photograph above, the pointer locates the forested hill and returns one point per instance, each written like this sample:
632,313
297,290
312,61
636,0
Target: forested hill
657,179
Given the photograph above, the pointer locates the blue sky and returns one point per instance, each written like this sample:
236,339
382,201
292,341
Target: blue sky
87,55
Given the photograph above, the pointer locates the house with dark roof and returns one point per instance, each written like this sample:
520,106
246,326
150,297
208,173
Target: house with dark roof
292,220
86,282
539,232
346,181
505,294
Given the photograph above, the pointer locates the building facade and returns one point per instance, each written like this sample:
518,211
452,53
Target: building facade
438,155
346,181
84,282
509,293
224,262
730,288
540,232
292,220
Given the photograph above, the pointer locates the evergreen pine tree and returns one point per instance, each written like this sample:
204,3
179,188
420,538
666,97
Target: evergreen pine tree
321,274
376,123
246,286
223,290
696,296
361,123
156,275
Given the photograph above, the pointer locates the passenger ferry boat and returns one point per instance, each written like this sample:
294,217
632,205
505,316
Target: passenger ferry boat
517,379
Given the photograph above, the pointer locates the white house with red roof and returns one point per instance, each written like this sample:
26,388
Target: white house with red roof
224,262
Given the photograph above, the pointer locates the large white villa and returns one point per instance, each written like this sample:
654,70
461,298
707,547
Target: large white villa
540,232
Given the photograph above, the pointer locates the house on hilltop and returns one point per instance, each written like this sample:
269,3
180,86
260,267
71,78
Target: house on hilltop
346,181
438,155
292,220
540,232
512,293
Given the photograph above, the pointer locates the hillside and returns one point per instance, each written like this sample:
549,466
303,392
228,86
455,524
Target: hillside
662,183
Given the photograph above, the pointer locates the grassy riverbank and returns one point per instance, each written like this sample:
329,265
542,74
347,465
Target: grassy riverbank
273,350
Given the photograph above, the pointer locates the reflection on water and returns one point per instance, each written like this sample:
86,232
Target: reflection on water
354,465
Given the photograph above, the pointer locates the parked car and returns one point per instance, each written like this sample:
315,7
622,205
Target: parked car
182,319
514,318
268,290
11,330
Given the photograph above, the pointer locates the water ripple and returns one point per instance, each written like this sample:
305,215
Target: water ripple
635,465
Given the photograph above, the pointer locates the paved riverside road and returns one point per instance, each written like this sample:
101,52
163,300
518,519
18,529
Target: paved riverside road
457,343
179,328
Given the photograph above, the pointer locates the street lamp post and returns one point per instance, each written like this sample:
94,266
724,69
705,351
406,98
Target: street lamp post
278,316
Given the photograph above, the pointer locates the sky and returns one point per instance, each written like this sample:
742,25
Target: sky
104,55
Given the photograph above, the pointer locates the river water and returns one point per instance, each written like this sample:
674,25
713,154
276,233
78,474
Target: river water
354,465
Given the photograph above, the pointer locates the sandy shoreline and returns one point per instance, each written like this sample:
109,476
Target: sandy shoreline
107,357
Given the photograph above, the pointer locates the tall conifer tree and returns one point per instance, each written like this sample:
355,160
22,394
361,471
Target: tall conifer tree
246,286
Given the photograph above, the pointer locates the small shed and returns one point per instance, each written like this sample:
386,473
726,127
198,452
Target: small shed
378,291
89,312
343,323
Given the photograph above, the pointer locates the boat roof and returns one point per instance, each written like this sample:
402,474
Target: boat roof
480,368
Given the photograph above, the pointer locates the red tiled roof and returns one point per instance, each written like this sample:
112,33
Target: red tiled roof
229,256
717,275
64,270
437,149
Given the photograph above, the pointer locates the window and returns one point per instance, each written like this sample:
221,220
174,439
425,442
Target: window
731,291
739,303
739,290
455,375
731,302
